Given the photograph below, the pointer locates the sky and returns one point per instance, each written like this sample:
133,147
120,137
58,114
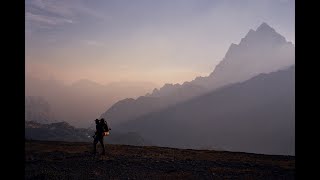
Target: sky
167,41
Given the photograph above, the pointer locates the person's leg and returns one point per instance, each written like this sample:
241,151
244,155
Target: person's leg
101,142
95,141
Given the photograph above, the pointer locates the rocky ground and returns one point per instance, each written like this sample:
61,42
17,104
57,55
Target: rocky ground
65,160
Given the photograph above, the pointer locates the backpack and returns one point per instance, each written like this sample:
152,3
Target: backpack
105,128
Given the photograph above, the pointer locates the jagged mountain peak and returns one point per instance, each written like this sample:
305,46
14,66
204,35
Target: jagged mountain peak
265,27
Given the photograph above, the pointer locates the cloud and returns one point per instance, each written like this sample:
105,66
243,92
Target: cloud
48,14
46,20
57,8
68,9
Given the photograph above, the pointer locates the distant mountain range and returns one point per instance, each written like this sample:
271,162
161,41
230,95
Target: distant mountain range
81,102
246,104
62,131
260,51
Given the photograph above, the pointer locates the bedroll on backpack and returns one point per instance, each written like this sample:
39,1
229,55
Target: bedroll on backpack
106,133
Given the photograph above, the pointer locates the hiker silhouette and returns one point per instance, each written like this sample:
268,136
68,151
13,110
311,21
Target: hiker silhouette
101,128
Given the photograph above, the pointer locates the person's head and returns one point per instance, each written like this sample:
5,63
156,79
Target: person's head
97,121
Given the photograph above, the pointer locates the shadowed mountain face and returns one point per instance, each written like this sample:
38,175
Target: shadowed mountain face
260,51
62,131
257,116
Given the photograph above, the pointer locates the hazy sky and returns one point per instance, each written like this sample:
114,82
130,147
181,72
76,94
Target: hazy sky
162,41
